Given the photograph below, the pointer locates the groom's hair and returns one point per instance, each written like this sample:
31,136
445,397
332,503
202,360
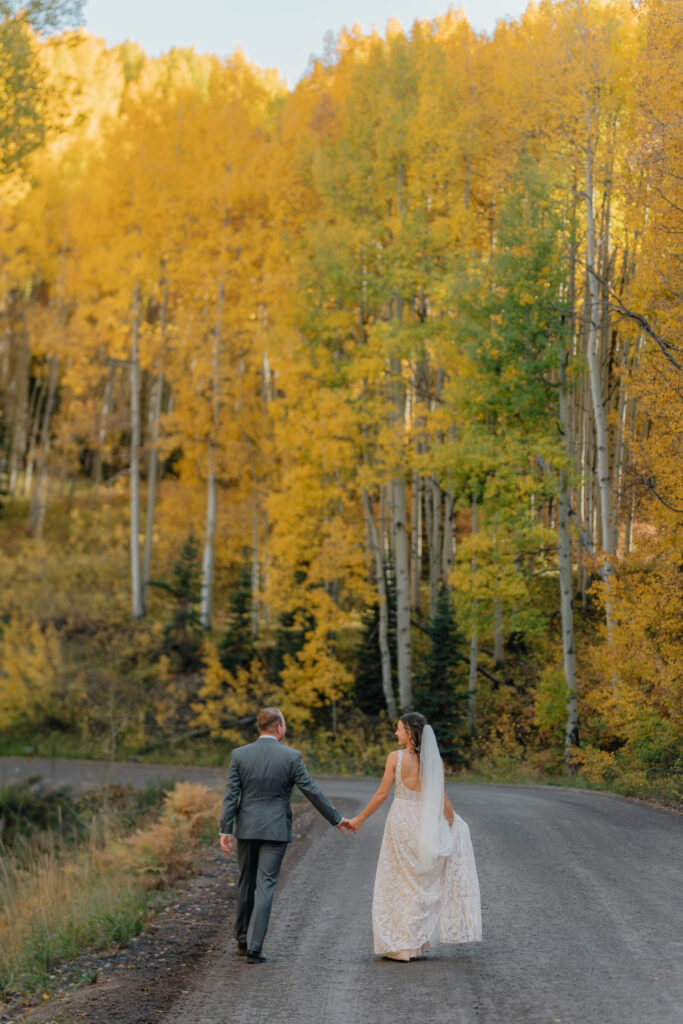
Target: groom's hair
268,718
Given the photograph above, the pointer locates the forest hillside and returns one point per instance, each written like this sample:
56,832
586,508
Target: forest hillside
357,398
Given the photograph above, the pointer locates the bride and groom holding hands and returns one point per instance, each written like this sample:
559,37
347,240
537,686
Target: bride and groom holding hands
426,885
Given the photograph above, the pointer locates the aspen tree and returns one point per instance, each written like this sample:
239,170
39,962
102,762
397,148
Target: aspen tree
211,477
387,684
474,637
156,405
386,294
39,498
136,582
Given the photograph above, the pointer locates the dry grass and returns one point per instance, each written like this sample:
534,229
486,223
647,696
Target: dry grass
55,908
164,851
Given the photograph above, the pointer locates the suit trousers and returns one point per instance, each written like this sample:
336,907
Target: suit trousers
259,862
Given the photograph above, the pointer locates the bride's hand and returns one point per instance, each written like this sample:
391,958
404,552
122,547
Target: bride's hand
355,824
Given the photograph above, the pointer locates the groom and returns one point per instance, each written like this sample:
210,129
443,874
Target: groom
257,803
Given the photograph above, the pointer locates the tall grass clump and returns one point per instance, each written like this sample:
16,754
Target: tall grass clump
54,907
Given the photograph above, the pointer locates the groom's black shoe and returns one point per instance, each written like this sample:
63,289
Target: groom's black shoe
254,956
241,948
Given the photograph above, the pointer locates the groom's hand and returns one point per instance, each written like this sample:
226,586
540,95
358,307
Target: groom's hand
226,844
344,825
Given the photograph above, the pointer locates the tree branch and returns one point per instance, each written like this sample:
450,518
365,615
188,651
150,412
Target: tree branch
649,483
484,672
665,346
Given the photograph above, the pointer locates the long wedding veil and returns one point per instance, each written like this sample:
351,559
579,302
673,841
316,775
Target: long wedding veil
435,839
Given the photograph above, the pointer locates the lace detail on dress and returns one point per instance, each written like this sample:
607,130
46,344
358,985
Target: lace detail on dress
410,909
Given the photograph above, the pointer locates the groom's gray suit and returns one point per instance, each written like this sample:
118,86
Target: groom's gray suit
257,807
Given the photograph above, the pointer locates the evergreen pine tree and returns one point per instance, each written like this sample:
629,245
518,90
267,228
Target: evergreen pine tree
237,646
369,697
440,691
290,637
183,634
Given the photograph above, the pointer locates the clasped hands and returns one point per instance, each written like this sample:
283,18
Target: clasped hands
349,825
345,825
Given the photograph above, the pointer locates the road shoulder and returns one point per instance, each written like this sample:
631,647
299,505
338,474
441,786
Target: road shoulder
143,980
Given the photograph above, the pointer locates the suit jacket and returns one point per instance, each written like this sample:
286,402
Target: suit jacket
259,789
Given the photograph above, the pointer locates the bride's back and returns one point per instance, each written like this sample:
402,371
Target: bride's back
410,771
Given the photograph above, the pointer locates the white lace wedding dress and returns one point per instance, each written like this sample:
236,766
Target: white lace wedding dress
411,909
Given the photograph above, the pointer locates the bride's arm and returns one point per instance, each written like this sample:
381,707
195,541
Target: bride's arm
381,794
448,812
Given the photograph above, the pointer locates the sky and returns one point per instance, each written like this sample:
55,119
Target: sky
280,34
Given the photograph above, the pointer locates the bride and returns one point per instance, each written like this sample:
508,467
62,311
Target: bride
426,885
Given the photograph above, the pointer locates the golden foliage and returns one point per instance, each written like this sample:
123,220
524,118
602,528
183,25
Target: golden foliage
224,697
298,268
593,763
30,672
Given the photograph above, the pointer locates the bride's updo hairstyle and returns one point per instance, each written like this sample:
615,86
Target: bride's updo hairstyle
414,723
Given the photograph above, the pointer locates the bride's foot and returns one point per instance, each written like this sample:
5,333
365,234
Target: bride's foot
403,956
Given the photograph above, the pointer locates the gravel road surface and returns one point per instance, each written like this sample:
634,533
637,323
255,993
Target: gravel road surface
90,774
582,896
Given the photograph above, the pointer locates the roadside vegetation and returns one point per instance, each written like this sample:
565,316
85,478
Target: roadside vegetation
87,873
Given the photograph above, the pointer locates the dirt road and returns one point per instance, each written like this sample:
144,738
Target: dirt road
582,924
582,896
88,774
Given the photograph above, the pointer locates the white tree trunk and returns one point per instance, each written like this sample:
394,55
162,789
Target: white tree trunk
595,376
429,525
435,545
385,654
255,568
152,476
474,640
631,502
104,420
581,464
416,542
565,554
448,539
264,570
35,412
566,578
402,566
138,601
153,456
39,498
384,531
153,459
620,448
599,413
498,634
472,683
206,606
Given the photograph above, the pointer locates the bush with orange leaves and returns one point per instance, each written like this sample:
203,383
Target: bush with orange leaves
164,851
